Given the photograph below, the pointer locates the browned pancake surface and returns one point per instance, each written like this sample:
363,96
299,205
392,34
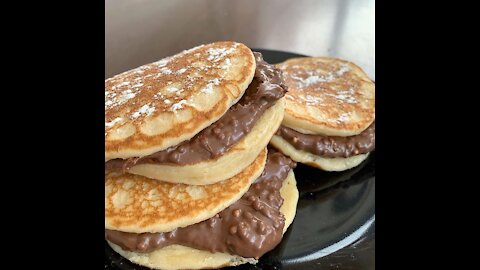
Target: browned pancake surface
138,204
327,96
161,104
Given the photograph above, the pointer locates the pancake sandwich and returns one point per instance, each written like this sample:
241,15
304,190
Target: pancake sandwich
189,181
198,117
329,118
164,225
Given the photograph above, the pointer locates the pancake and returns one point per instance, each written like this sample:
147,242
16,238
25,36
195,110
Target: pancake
182,257
226,166
225,147
327,96
138,204
326,164
329,120
188,183
290,196
161,104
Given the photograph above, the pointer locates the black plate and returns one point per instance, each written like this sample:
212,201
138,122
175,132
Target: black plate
334,227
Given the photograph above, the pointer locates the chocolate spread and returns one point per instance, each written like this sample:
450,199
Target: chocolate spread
212,142
249,228
331,146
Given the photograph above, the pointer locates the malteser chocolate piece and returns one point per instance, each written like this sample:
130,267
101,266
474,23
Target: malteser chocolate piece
331,146
250,227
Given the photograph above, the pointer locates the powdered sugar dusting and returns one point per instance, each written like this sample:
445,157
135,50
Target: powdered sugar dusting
329,77
113,122
343,68
340,91
158,95
163,62
217,54
180,71
144,110
344,96
170,84
312,80
226,64
126,95
122,89
208,89
178,105
122,84
139,70
312,100
179,92
172,89
315,77
111,98
108,103
343,117
166,71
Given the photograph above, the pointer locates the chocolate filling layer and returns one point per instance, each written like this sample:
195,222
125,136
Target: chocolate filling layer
331,146
215,140
249,228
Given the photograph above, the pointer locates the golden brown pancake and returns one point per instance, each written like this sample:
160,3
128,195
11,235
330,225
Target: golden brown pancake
138,204
170,121
223,148
326,164
181,257
329,108
161,104
327,96
226,166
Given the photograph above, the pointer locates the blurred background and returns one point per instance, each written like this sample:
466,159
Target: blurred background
142,31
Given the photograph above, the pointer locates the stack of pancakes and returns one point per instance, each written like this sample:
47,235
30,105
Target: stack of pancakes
189,182
329,118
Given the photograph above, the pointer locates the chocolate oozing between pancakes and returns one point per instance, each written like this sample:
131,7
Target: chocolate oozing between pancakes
215,140
249,228
331,146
